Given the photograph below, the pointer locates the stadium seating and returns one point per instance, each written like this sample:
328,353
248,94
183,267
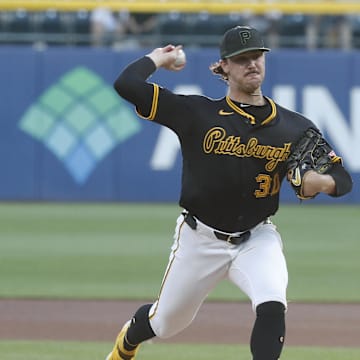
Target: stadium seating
355,26
292,31
56,27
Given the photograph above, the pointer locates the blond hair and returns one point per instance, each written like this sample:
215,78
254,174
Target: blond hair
217,69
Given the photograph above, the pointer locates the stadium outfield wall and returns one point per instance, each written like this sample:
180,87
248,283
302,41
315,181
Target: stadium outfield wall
66,135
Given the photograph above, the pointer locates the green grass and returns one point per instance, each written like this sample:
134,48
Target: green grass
322,247
86,251
19,350
121,250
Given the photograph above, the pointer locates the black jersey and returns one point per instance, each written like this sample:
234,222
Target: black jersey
234,156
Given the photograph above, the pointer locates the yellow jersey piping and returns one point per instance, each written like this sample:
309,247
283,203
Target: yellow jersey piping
251,117
153,313
154,104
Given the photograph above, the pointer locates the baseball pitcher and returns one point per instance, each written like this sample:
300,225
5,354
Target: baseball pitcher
236,152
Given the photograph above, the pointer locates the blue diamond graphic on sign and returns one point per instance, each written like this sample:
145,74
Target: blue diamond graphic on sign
80,119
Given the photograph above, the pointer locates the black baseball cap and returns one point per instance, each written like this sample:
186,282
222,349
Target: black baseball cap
240,39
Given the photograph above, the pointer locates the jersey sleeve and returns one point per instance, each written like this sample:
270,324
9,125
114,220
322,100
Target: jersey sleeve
131,84
151,101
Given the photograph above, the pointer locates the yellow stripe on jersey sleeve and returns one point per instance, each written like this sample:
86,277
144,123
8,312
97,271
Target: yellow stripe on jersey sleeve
154,104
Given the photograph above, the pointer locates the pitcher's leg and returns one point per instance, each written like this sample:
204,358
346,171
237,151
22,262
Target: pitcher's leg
134,332
267,338
259,269
140,328
196,265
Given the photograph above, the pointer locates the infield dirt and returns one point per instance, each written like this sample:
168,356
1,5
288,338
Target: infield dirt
307,324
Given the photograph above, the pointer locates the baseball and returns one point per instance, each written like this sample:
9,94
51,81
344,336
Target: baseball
181,58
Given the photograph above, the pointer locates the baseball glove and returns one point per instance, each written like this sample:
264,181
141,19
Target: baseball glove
311,152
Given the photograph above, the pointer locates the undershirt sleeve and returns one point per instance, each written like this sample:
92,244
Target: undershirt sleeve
343,181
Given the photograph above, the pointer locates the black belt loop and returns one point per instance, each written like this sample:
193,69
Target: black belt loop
190,220
232,239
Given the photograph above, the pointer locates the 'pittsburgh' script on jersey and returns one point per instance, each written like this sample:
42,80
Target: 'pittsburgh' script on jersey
216,141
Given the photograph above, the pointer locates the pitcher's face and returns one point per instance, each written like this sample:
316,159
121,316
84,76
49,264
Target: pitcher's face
246,71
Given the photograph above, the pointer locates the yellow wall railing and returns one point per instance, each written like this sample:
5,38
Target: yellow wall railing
331,7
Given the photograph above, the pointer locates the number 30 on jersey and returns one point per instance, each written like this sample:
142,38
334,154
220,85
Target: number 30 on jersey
268,185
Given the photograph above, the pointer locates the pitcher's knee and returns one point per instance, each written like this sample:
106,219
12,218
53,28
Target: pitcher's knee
271,308
165,328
